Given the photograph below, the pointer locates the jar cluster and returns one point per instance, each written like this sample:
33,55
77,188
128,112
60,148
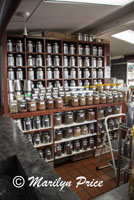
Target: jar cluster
15,46
75,116
34,123
39,138
46,153
69,148
15,60
104,112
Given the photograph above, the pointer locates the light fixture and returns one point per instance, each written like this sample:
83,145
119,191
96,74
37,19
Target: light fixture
127,36
24,15
102,2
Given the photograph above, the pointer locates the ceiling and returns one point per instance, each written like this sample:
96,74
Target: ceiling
69,18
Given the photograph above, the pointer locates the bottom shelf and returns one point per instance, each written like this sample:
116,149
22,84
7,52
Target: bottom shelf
74,153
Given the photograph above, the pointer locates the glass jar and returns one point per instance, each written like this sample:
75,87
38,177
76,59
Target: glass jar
58,102
96,99
65,73
30,74
56,61
108,111
10,74
111,124
80,50
58,135
99,141
67,98
116,110
30,46
22,106
84,130
94,63
86,62
91,128
19,74
9,46
89,99
109,98
10,60
79,74
99,63
58,150
77,131
84,144
19,60
68,118
30,61
49,60
37,122
87,50
72,73
115,97
72,61
80,62
41,104
94,73
56,48
31,105
68,133
49,48
80,116
76,145
65,48
13,107
120,96
65,61
57,119
86,83
106,87
100,113
80,83
100,127
38,47
37,139
68,148
49,73
86,73
72,83
46,121
95,82
100,51
48,154
82,100
85,37
74,101
100,73
50,103
39,61
103,98
90,114
56,73
72,49
99,88
91,142
19,46
27,124
39,73
79,36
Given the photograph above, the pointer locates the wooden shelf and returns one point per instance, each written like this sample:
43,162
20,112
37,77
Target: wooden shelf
14,67
75,138
70,54
35,53
43,145
54,54
84,55
37,130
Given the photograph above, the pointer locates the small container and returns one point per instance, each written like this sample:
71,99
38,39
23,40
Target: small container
30,74
120,96
10,74
49,60
30,61
82,100
39,62
90,38
77,131
91,143
72,61
85,37
84,130
19,74
103,98
31,105
115,97
72,83
56,48
9,46
37,139
89,99
74,101
58,150
100,127
65,73
99,63
99,87
100,113
27,124
109,98
49,48
49,73
49,103
37,122
80,50
106,87
94,51
19,46
90,115
68,119
56,73
80,36
96,99
10,60
79,74
68,133
58,135
116,110
87,50
58,102
86,62
41,104
19,61
91,128
86,73
94,63
30,46
22,106
100,51
72,49
84,144
39,73
68,148
57,119
73,73
48,154
65,61
94,73
13,107
65,48
56,61
108,111
80,116
80,62
76,145
67,98
38,47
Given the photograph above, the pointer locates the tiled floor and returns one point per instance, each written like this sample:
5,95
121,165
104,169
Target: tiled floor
87,168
